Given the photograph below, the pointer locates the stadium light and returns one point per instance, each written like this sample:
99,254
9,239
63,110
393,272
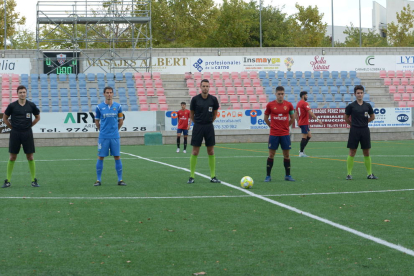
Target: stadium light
333,40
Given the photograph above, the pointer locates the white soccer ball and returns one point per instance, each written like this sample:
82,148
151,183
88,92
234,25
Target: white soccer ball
246,182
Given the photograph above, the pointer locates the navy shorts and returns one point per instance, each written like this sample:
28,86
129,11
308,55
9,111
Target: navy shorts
284,142
184,131
305,129
106,144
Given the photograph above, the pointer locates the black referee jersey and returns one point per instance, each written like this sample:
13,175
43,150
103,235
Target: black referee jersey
203,108
359,114
21,116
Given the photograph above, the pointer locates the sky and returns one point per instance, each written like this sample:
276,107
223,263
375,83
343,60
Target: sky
345,11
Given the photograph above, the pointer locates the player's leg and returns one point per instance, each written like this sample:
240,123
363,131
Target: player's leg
178,139
366,146
14,149
285,144
185,132
353,142
103,151
273,145
115,147
305,139
210,141
29,150
10,166
196,141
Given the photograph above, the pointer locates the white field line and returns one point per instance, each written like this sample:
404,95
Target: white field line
192,197
293,209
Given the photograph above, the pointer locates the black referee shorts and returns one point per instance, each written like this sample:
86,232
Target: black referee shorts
359,135
201,132
18,138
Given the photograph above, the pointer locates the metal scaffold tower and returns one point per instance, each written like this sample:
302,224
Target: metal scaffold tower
107,36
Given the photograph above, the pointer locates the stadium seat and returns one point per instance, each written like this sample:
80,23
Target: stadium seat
221,91
206,75
343,89
399,74
337,98
253,75
328,98
296,90
162,99
302,82
402,104
395,81
240,90
268,90
243,99
144,107
133,108
218,83
392,89
45,108
91,77
252,99
319,98
130,83
94,101
397,97
316,74
387,81
357,81
244,75
408,74
280,75
158,84
236,106
321,82
224,99
249,90
148,83
400,89
404,81
99,76
111,83
156,76
225,75
391,74
246,106
289,75
153,107
334,90
190,83
256,106
405,97
142,100
216,76
197,76
332,105
284,82
344,74
290,98
334,74
366,97
348,82
228,82
230,91
256,82
311,82
234,99
128,76
259,90
274,82
121,92
212,91
310,97
262,98
409,89
341,105
131,91
330,82
325,74
238,82
298,75
133,100
352,74
160,92
288,89
54,93
164,107
262,75
271,74
410,104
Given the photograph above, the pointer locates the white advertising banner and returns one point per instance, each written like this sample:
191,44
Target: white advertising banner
226,119
15,66
392,117
66,122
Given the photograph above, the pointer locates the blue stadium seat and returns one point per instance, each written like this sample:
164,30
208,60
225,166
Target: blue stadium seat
81,77
133,108
321,82
73,84
53,84
82,84
347,98
288,90
357,81
55,108
119,77
328,98
316,75
45,108
306,88
94,101
341,105
121,92
262,75
337,98
310,97
289,75
34,93
111,84
325,74
24,77
35,100
99,76
65,108
128,76
64,101
298,74
133,99
271,74
366,98
334,90
25,83
83,92
294,104
329,82
348,82
284,82
265,82
91,76
290,98
311,82
334,74
73,93
268,90
339,81
44,85
63,77
123,100
343,89
314,105
296,90
130,83
131,92
109,76
352,74
272,97
53,77
83,101
101,84
319,98
332,105
308,74
324,90
54,93
344,74
34,77
275,82
302,82
64,92
280,74
75,108
45,94
315,89
72,77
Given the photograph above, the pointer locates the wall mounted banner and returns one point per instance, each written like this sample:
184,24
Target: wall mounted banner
66,122
15,66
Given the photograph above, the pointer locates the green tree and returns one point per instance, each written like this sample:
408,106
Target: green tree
307,28
13,19
369,39
24,39
399,34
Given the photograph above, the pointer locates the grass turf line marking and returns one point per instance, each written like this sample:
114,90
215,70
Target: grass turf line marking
293,209
192,197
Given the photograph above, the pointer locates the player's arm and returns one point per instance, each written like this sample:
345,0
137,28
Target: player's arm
292,118
214,115
189,123
314,116
297,115
37,119
371,117
6,120
120,120
192,115
266,119
98,124
347,119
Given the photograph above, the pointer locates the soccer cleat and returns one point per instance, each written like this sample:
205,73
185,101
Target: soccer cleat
268,178
97,183
302,154
190,180
349,177
215,180
6,184
121,183
34,183
372,176
184,151
289,178
178,150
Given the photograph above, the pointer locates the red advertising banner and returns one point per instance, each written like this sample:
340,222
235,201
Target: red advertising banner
330,117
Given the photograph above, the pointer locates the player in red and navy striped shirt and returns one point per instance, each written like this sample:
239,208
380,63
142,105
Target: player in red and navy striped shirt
281,115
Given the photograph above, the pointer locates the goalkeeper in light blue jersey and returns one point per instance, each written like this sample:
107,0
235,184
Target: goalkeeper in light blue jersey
108,120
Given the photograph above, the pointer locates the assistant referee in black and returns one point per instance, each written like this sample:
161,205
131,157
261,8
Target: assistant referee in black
203,112
358,114
21,112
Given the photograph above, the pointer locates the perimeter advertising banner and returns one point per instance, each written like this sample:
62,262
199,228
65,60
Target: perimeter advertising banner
66,122
15,66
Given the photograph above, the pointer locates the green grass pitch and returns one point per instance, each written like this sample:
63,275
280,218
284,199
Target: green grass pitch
159,225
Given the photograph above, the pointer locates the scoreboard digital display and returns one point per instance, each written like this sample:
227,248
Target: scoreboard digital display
61,63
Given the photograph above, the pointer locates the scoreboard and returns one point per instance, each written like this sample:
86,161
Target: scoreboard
61,63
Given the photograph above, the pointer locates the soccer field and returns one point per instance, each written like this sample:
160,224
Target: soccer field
159,225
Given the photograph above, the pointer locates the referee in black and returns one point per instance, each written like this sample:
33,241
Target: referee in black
358,114
21,112
203,112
